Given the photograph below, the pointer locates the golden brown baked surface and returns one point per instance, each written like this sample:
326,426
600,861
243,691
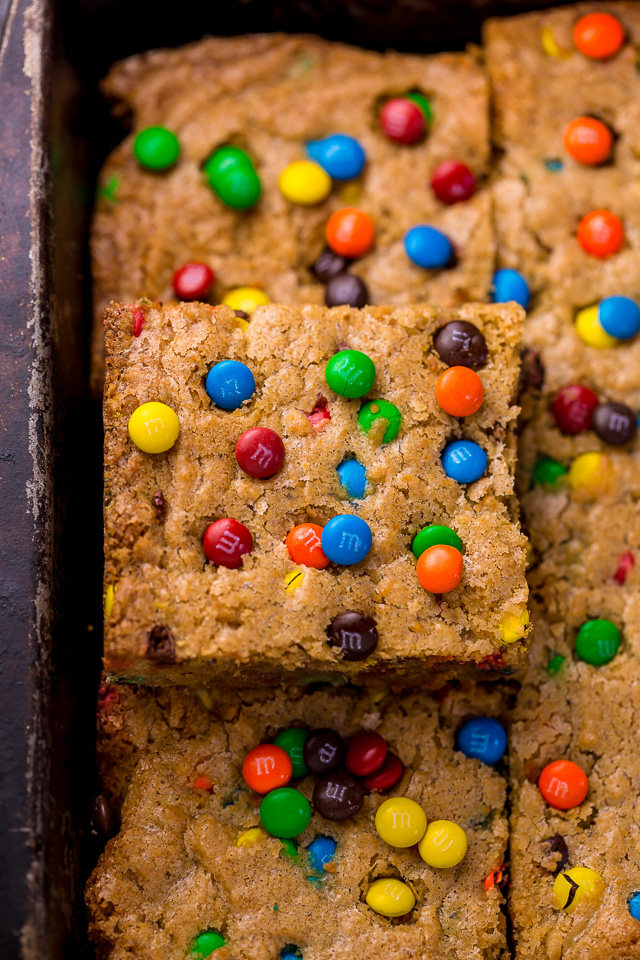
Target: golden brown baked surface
250,625
270,95
176,868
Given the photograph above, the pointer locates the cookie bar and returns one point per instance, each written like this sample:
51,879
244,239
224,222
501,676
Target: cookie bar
269,96
340,453
195,872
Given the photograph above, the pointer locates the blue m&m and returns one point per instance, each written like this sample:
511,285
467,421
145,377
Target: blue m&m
229,383
346,539
510,285
464,461
321,850
428,247
619,317
353,478
483,738
634,906
342,157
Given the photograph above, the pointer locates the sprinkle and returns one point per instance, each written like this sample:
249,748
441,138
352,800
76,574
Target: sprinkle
138,322
495,878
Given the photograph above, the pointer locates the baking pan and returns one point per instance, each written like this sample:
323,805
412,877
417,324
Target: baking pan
55,133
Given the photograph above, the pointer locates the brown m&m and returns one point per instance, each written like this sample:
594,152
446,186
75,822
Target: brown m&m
354,633
323,752
337,796
615,423
461,344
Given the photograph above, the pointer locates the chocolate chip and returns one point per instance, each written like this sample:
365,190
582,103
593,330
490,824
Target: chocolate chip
161,647
323,751
354,633
159,504
337,796
241,314
531,371
461,344
329,265
346,290
614,423
558,844
102,817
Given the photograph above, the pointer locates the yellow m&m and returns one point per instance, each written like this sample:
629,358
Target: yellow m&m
443,845
513,626
246,299
400,822
249,837
590,472
305,183
575,885
154,427
390,897
590,330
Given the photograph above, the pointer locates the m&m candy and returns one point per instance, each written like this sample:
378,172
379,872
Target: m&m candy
156,148
329,265
615,423
403,121
350,373
323,751
598,35
575,885
321,850
226,541
346,539
588,141
224,159
400,822
304,544
267,767
354,633
343,157
246,299
338,796
380,412
634,906
292,741
619,317
350,232
460,344
366,753
207,942
459,391
386,776
563,784
154,427
231,174
443,845
353,478
193,281
573,408
513,626
510,285
597,642
452,182
285,813
433,535
390,897
600,233
590,473
590,330
347,290
464,461
428,247
260,452
439,568
483,738
548,473
229,384
304,182
290,952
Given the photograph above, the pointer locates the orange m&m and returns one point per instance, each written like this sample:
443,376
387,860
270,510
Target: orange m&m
267,767
459,391
439,568
563,784
588,141
600,233
350,232
304,544
598,35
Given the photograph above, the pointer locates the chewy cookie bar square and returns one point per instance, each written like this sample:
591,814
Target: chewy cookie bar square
276,540
269,96
202,867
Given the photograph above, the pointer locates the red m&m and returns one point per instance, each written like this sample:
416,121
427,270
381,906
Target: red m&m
402,120
452,182
563,784
600,233
226,541
573,408
267,767
386,776
260,452
304,544
366,753
193,281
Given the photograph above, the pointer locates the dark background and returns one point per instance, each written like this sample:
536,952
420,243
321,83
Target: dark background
55,132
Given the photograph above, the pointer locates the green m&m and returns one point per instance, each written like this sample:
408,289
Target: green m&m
597,642
285,813
207,942
232,175
548,472
156,148
423,103
350,373
380,409
292,741
433,535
